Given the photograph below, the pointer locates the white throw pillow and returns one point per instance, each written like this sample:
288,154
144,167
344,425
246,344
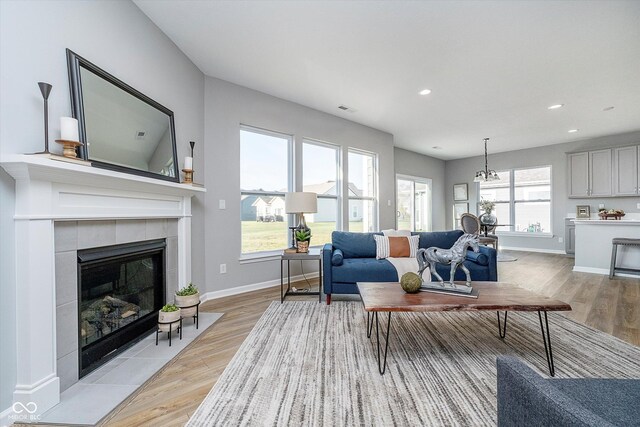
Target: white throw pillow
396,233
386,248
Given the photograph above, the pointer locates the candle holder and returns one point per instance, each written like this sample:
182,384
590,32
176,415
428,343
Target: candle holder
69,148
188,176
45,90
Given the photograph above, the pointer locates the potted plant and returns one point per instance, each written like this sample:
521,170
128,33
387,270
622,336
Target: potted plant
302,240
168,313
189,296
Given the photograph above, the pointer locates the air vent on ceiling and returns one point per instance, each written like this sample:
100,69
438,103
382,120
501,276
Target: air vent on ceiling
345,108
140,134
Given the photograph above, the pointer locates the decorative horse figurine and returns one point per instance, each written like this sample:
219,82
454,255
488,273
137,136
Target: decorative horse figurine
454,257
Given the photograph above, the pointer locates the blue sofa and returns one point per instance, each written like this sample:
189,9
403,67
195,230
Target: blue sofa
351,258
526,398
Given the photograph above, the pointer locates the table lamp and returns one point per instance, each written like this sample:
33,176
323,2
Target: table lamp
300,203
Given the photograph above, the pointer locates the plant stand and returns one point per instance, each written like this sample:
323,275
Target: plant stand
179,329
195,316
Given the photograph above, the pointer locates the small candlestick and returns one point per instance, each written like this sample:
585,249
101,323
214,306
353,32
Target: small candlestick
69,129
69,148
188,163
188,176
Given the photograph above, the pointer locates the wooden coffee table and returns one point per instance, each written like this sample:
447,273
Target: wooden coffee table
493,296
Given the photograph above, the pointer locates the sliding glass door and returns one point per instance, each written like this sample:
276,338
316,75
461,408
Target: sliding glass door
413,203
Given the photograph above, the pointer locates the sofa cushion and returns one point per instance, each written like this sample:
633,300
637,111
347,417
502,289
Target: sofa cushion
478,258
439,239
355,245
337,257
364,270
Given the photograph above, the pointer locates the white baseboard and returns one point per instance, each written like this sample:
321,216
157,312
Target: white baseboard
253,287
602,271
544,251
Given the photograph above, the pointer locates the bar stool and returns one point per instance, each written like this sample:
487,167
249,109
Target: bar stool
614,252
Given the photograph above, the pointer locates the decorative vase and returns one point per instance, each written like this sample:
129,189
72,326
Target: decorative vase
168,316
488,218
187,301
303,247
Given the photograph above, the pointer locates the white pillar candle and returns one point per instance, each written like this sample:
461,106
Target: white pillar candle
69,129
188,163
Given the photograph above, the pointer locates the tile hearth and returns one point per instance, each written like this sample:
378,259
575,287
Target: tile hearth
95,395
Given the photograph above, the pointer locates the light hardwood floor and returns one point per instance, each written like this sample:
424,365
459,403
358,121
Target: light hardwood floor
168,399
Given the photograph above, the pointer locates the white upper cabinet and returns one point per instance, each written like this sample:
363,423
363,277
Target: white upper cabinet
625,171
600,173
590,174
579,175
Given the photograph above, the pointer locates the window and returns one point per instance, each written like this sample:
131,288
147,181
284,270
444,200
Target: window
523,198
362,191
413,203
320,173
264,178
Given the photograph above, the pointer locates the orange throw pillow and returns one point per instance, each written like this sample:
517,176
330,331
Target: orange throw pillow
399,247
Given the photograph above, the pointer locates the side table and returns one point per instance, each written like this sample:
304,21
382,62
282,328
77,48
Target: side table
313,255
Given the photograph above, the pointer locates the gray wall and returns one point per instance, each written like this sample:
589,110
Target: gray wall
462,170
419,165
116,36
226,107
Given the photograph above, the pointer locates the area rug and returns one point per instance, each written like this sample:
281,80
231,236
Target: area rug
309,364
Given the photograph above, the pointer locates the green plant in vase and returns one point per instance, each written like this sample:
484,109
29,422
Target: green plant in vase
168,314
303,237
187,299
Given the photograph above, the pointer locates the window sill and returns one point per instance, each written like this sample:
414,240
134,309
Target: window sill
524,234
260,257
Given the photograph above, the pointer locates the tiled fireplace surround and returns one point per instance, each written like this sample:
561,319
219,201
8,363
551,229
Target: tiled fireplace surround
60,208
71,236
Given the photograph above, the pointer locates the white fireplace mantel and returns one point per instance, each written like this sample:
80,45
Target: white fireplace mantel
46,191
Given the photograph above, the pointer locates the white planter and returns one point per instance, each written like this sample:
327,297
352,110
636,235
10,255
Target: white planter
186,301
169,316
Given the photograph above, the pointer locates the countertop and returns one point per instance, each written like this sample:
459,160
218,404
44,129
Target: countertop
606,221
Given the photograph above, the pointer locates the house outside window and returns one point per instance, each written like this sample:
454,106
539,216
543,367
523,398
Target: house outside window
522,198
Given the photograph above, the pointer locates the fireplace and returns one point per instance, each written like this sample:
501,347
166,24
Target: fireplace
120,290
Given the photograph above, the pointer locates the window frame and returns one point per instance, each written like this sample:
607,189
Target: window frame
416,179
512,203
290,178
338,177
374,199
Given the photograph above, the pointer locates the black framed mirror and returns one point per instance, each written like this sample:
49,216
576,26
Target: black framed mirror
121,128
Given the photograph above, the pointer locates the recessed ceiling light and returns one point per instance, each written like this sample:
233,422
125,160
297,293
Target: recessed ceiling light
573,130
437,147
425,92
608,108
555,106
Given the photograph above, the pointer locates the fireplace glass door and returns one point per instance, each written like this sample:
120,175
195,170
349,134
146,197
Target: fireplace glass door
121,288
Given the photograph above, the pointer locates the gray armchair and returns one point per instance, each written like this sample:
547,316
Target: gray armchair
527,399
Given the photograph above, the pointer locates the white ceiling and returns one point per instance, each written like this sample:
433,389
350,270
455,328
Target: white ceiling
493,66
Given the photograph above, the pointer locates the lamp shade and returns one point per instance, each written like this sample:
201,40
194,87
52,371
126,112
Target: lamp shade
301,202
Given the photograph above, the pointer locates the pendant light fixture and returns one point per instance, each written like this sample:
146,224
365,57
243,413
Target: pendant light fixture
487,174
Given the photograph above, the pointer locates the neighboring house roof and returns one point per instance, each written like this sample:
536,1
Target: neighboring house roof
267,200
329,188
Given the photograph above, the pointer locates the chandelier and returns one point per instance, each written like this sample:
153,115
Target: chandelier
487,174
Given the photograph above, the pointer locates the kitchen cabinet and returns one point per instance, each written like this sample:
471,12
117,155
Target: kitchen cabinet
569,237
600,173
626,176
590,174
